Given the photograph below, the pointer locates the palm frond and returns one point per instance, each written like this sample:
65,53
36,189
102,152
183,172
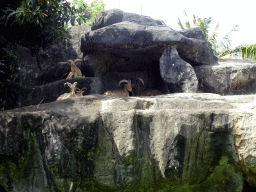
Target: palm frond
212,39
187,24
226,40
194,19
180,24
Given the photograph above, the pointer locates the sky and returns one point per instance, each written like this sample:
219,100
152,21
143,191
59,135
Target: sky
228,13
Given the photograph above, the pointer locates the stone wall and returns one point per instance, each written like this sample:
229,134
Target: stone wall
121,140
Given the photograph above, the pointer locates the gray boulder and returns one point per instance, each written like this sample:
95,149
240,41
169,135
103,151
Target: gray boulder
230,76
127,42
63,52
112,16
176,73
46,67
123,35
28,68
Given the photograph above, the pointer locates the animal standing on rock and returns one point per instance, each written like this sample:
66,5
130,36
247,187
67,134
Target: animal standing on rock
71,93
141,91
121,92
75,71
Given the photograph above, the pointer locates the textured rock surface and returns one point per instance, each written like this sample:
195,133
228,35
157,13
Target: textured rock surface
133,36
127,42
64,52
207,140
193,47
51,91
58,72
119,139
28,69
176,73
44,86
109,17
231,76
29,66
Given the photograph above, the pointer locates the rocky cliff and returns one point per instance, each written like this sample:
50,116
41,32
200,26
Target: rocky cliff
200,139
207,140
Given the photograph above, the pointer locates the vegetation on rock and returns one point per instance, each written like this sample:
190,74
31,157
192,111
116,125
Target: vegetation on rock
34,24
40,23
248,51
219,49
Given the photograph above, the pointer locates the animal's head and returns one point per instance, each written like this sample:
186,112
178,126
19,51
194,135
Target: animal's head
137,83
80,91
128,85
71,86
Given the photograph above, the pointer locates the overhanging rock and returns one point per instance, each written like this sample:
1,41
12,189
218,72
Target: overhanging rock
126,35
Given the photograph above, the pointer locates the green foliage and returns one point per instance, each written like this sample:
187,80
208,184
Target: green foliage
248,51
41,23
12,92
11,169
219,49
249,172
8,72
34,24
225,175
130,159
93,9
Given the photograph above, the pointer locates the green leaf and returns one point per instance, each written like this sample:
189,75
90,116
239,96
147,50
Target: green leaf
187,24
79,21
180,24
11,14
72,21
37,8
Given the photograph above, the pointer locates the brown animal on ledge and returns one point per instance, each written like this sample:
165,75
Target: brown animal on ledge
141,91
75,71
71,93
121,92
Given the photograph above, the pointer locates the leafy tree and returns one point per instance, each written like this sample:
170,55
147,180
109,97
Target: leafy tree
220,49
94,8
34,24
40,23
203,24
248,51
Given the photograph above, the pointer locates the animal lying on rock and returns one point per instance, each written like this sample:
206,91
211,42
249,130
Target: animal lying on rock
71,93
80,91
139,90
121,92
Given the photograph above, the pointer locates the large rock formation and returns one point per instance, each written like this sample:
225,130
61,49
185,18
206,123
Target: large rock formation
31,67
128,35
63,52
201,138
172,142
41,77
184,69
125,42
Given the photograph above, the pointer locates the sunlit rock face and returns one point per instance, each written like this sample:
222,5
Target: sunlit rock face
230,76
120,140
